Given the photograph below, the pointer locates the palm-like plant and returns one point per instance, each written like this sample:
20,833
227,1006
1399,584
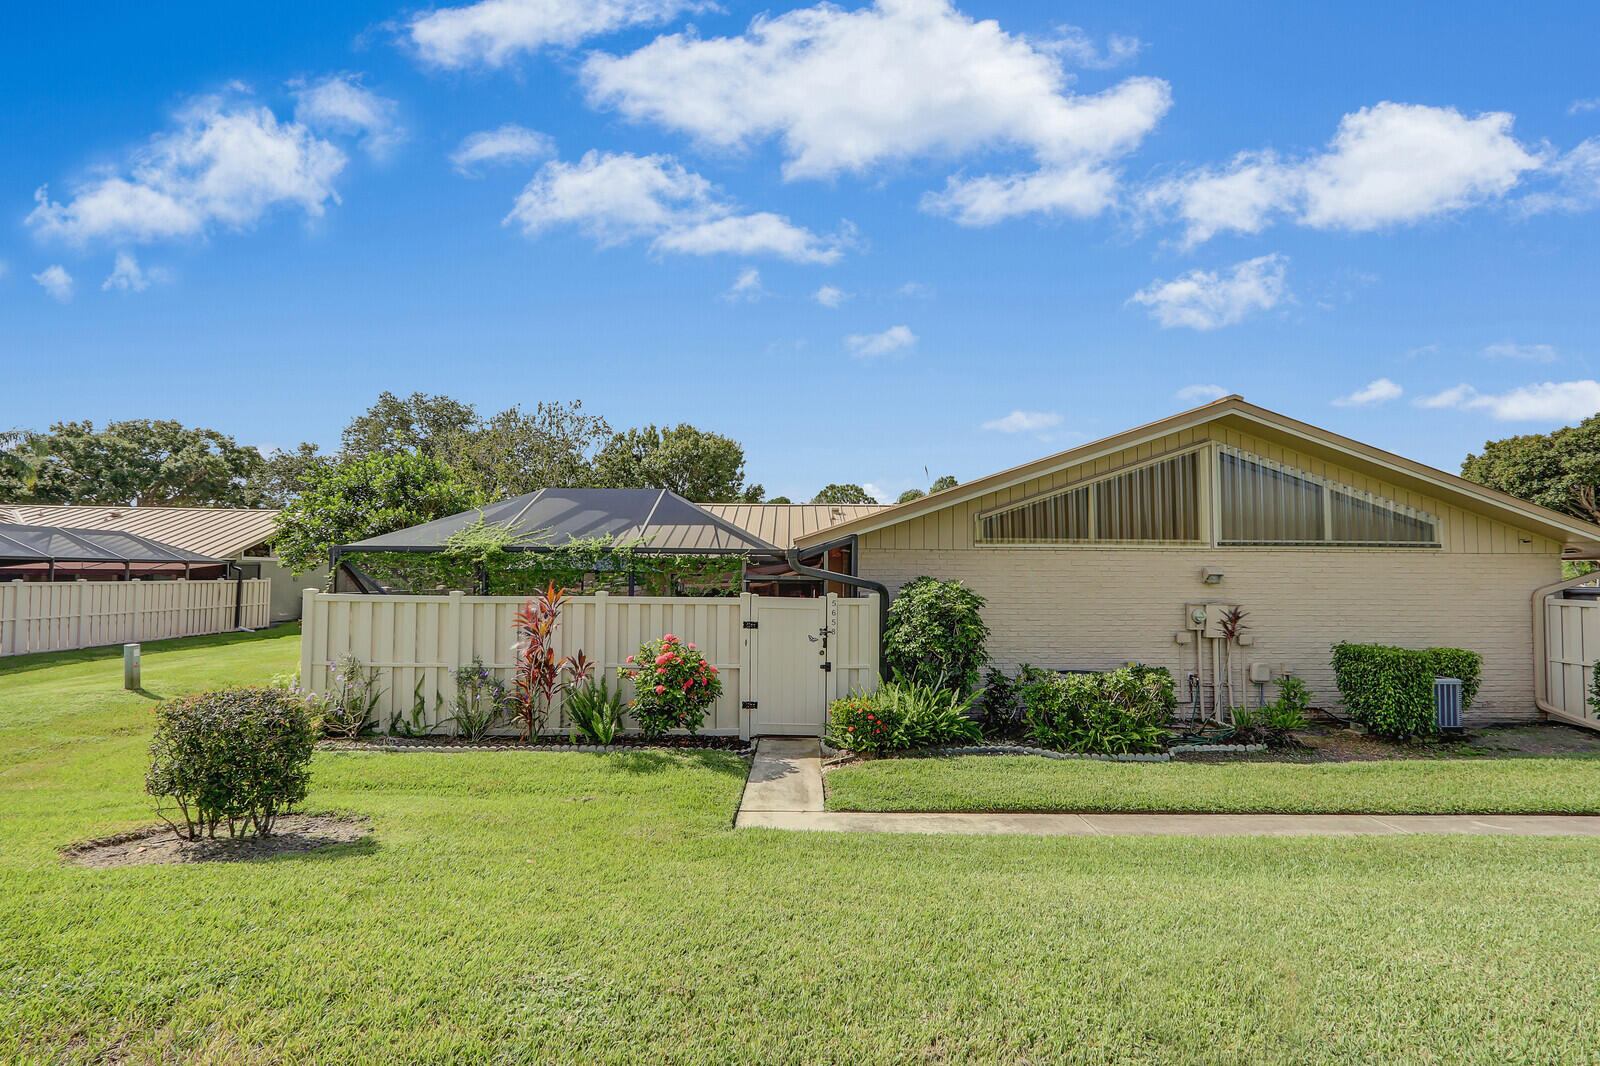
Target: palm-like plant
538,668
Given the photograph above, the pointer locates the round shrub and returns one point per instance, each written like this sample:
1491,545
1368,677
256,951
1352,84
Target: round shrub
236,758
936,634
861,723
673,685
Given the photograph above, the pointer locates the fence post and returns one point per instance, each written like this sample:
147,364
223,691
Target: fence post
136,609
602,641
80,639
747,664
456,619
11,621
308,640
830,622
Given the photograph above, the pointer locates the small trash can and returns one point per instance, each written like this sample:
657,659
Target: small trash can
1447,702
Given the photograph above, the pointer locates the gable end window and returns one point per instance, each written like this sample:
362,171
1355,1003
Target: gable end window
1261,502
1155,503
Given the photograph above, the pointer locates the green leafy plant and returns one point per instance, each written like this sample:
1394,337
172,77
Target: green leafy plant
415,723
936,634
237,758
673,685
1389,690
596,711
1288,712
481,699
902,714
350,705
1125,710
1465,666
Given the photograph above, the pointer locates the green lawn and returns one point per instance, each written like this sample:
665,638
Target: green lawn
1568,784
530,908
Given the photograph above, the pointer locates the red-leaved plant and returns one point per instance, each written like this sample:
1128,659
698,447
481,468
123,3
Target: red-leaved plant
540,674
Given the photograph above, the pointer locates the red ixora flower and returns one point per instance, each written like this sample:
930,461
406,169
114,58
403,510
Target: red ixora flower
660,689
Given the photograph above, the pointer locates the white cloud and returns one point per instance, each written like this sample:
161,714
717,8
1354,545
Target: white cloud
1205,299
1388,164
508,144
1080,50
223,164
874,492
917,289
617,198
1551,401
849,91
127,276
1380,391
1574,179
493,31
747,286
1024,422
339,103
1200,393
828,296
1533,353
57,282
1578,107
872,345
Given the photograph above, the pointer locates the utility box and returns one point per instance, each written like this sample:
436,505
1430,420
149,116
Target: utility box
1447,702
1206,618
1260,673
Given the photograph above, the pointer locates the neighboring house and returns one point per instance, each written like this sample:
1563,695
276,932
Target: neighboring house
1095,557
238,535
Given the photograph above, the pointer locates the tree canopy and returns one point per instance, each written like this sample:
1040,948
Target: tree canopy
138,461
362,497
842,494
1559,470
696,464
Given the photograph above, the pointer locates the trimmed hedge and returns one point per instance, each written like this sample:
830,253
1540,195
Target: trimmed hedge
1390,690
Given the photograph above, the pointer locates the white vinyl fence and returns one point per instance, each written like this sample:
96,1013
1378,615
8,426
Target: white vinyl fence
1572,646
781,660
40,616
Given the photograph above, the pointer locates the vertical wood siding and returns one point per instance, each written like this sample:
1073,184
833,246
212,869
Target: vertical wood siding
1572,646
418,642
37,616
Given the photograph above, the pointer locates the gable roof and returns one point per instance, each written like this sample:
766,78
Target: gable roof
1582,538
665,521
783,523
214,532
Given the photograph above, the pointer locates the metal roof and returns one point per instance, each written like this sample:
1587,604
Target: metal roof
783,523
663,521
219,532
57,544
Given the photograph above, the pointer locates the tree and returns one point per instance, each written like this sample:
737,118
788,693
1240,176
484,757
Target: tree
285,475
519,451
364,497
139,461
420,423
694,463
1559,470
909,495
940,484
842,494
780,499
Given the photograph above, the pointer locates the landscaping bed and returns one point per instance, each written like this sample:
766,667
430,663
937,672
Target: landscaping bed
629,742
158,845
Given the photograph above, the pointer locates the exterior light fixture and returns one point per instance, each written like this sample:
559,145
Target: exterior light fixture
1211,576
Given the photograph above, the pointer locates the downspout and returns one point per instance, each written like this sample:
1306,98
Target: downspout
1541,666
792,554
238,593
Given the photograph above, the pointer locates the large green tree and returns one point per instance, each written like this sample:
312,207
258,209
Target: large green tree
694,463
363,497
1559,470
139,461
842,494
419,423
284,475
518,451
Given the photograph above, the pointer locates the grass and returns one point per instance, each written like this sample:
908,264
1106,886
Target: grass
1567,784
520,907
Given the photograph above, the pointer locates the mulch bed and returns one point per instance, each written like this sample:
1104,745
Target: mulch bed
158,845
552,743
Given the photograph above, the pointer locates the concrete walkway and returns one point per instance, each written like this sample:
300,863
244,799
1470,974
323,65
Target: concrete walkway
784,791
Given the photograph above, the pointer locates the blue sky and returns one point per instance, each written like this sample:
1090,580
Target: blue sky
862,240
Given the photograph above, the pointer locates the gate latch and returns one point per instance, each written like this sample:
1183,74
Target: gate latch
752,624
828,667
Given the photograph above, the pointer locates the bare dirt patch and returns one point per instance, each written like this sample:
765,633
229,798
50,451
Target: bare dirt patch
156,845
1343,745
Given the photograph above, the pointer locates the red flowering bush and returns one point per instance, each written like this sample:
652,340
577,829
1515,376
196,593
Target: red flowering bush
861,723
673,685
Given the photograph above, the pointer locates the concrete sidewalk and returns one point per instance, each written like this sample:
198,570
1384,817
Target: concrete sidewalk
784,791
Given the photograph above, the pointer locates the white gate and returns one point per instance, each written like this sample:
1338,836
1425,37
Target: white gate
1572,646
782,660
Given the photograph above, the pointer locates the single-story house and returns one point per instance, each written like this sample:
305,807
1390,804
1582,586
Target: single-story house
1102,554
237,535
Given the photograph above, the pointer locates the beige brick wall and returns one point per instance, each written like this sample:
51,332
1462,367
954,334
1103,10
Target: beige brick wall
1095,608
